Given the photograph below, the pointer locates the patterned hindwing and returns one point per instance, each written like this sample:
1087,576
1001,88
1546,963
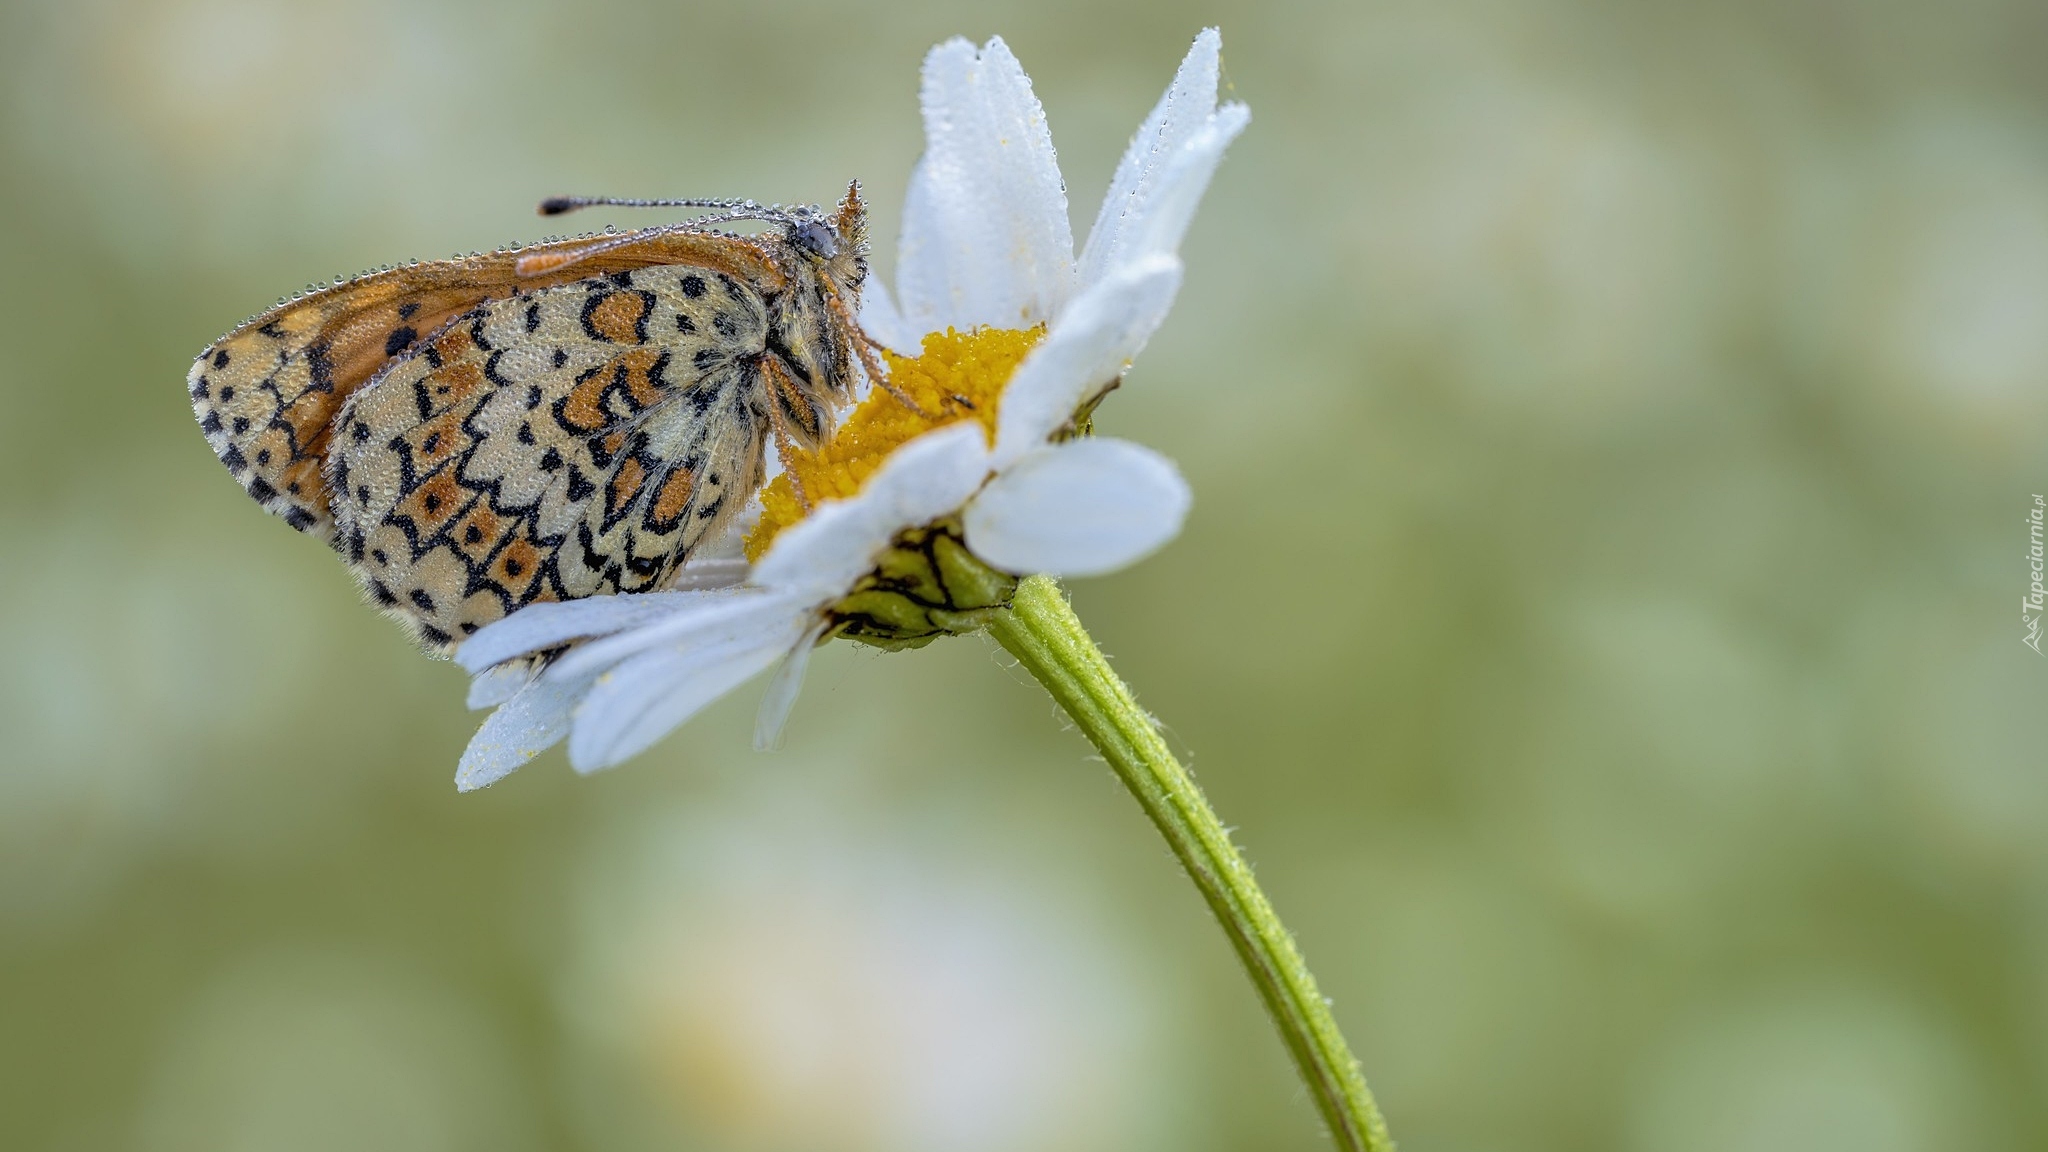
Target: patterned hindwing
568,442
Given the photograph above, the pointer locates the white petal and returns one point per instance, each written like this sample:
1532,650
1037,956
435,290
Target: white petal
1187,105
1078,509
530,723
1087,348
539,626
927,258
729,546
985,239
708,575
782,690
648,694
820,556
694,620
496,685
880,319
930,476
1178,190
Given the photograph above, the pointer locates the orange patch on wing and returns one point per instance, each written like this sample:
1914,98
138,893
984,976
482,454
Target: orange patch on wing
432,504
454,382
582,410
478,533
638,368
516,566
673,498
624,486
454,344
618,316
303,481
436,440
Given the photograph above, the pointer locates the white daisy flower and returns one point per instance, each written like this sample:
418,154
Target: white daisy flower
913,522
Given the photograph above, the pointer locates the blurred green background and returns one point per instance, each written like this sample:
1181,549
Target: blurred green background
1612,426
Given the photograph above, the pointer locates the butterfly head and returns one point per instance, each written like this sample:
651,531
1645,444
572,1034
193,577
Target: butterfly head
815,237
838,242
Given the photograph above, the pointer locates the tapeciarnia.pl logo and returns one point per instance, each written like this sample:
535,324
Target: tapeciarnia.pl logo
2037,597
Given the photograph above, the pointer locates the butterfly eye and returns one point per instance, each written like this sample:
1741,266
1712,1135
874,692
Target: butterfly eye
816,238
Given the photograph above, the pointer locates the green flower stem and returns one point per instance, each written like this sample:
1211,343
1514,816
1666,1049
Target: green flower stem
1042,632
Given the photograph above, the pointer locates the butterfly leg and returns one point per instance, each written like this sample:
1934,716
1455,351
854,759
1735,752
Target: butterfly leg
864,346
784,398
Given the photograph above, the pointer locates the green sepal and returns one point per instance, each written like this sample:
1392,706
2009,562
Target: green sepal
926,586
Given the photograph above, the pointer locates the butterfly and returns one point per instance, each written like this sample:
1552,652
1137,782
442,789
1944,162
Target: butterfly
567,419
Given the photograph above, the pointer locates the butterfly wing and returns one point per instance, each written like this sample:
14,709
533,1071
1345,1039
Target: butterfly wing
267,394
573,441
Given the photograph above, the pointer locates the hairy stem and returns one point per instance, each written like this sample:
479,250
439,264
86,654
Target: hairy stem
1042,632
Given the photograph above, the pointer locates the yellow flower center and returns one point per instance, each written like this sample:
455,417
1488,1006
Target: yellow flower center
959,376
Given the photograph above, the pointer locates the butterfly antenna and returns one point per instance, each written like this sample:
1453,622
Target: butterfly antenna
557,205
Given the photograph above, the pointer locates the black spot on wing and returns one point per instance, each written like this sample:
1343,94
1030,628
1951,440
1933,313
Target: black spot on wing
319,368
